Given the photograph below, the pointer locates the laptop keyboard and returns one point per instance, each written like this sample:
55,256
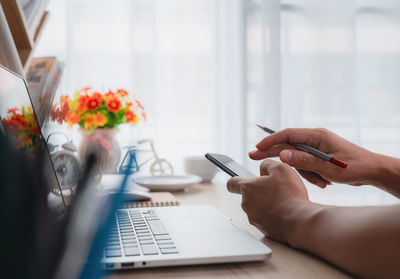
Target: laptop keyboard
136,233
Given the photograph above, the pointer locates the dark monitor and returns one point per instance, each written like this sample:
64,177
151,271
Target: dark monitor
19,123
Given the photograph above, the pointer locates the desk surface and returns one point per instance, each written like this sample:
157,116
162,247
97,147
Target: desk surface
284,263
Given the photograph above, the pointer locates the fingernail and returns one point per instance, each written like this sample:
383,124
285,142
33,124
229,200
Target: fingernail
286,155
252,152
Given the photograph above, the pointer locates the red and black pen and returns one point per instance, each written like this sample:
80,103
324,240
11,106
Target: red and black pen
311,150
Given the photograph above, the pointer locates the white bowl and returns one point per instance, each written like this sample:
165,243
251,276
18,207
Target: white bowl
200,166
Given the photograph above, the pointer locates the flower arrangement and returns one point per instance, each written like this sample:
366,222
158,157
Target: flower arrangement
91,109
22,126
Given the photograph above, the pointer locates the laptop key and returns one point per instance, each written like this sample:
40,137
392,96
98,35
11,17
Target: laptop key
157,227
150,249
145,237
144,230
132,251
145,242
126,230
163,237
166,246
167,241
131,240
113,247
131,245
126,234
113,253
169,251
112,242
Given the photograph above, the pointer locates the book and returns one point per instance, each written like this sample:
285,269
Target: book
43,77
157,199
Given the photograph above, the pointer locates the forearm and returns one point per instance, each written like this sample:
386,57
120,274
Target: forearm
387,174
363,240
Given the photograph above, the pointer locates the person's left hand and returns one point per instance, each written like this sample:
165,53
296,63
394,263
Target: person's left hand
273,199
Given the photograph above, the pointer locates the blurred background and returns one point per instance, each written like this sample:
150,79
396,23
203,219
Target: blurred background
207,71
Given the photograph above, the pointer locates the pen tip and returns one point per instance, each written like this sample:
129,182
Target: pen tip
259,126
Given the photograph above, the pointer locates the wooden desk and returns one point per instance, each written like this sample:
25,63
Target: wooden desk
284,263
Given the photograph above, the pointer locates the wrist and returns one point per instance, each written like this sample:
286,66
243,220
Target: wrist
386,174
301,222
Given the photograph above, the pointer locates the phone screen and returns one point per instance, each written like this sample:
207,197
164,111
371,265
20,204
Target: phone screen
228,165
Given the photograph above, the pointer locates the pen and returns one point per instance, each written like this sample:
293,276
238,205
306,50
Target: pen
311,150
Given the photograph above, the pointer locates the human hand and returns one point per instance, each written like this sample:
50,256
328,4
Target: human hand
273,199
361,162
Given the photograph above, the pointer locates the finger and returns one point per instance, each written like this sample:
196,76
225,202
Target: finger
267,166
314,178
304,161
272,152
233,185
310,137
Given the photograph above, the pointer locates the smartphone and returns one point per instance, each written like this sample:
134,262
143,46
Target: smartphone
228,165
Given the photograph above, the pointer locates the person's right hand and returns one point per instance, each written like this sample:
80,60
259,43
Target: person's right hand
361,162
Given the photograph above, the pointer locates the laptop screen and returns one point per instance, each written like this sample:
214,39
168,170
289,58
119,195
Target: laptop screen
20,124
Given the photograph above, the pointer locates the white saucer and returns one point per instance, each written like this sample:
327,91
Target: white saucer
168,182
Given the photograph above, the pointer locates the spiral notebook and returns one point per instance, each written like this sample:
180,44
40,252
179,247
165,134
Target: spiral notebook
157,199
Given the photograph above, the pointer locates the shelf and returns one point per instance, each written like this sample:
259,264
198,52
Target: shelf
16,21
25,41
26,54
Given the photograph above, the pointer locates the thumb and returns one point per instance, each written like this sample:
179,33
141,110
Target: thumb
302,160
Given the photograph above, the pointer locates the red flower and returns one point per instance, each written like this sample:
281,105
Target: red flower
93,102
35,130
97,95
12,111
64,108
113,104
21,120
11,126
130,116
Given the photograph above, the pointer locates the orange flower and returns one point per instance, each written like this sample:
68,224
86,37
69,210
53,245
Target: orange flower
22,125
94,101
122,92
87,109
139,104
109,94
99,119
89,122
72,119
86,89
113,104
130,116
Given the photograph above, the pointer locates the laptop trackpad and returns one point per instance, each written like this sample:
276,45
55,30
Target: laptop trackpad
201,224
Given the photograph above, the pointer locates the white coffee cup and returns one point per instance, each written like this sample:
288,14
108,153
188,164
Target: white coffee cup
199,165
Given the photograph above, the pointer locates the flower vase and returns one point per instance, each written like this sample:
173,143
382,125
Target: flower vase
103,144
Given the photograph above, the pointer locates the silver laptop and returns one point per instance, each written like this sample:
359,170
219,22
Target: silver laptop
150,237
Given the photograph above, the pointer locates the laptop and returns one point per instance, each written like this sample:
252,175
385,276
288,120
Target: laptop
142,237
